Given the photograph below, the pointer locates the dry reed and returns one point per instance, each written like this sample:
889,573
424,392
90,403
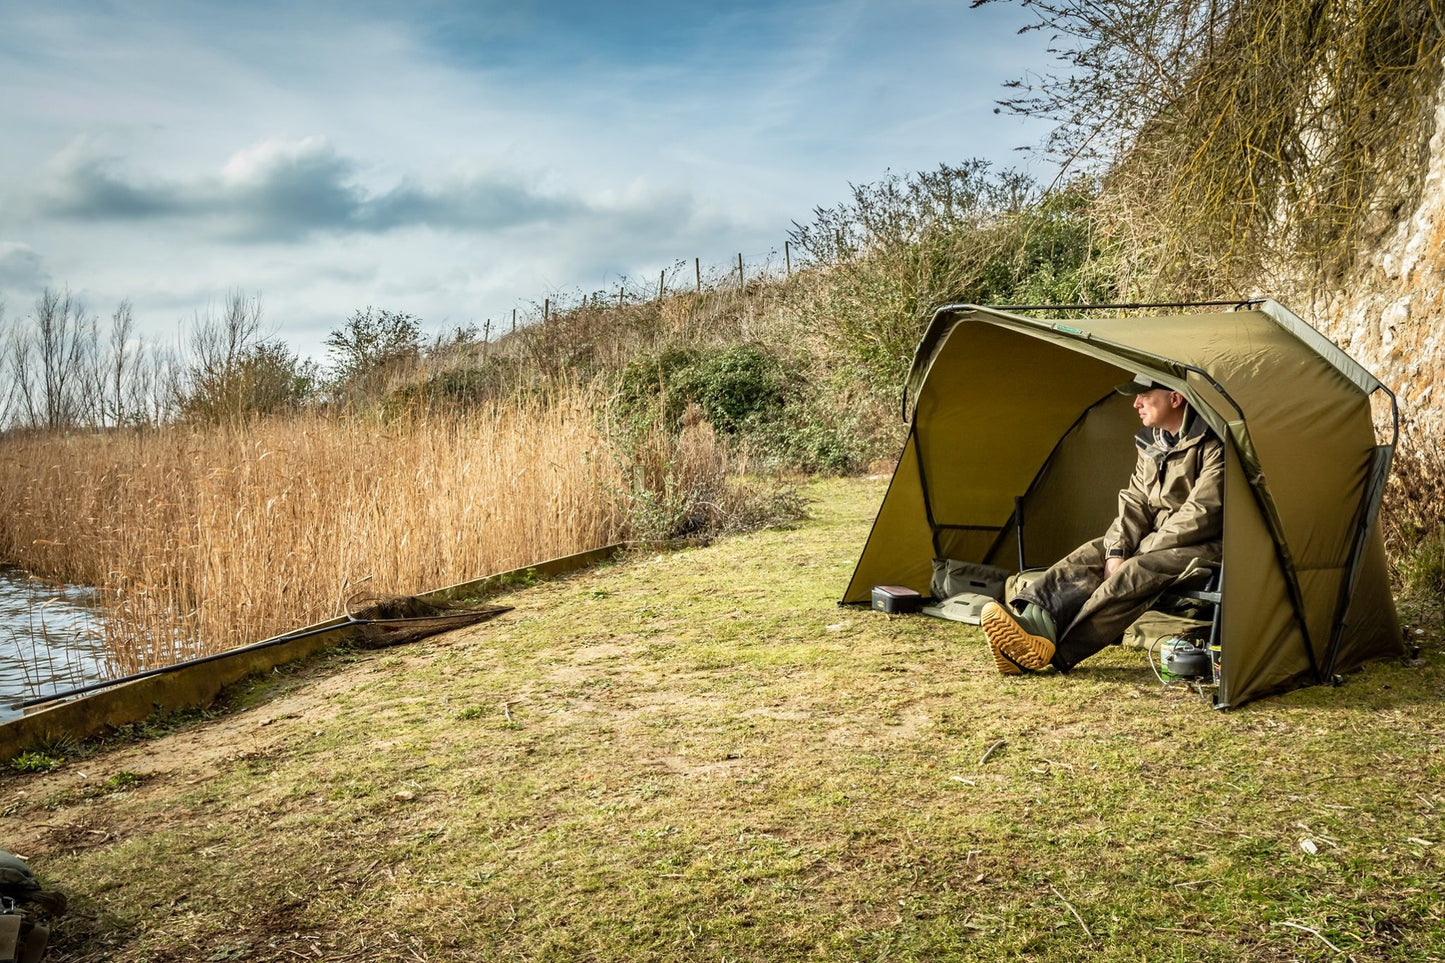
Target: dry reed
202,539
1413,518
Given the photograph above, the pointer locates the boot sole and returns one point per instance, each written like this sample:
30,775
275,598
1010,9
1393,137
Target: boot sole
1012,644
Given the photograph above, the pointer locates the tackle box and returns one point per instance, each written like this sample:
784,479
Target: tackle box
896,599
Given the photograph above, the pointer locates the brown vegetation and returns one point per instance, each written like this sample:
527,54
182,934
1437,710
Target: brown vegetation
201,539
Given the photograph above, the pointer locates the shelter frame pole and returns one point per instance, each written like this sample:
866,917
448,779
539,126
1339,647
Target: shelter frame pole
923,489
1235,303
1364,528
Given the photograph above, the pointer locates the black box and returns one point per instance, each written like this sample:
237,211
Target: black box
896,599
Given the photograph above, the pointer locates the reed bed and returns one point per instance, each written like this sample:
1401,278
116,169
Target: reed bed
203,539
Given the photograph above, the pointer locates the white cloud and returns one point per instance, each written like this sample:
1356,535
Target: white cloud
288,192
454,159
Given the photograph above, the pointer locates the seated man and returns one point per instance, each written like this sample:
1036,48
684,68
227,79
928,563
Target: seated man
1170,515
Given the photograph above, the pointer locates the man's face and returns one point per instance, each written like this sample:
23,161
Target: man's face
1157,409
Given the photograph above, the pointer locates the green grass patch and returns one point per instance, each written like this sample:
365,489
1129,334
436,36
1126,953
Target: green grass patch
698,755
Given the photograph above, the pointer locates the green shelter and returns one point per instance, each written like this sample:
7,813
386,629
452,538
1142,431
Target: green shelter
1013,413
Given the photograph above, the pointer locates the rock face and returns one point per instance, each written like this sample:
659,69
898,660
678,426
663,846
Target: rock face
1391,322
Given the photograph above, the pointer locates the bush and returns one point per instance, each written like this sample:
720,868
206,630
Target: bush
736,388
905,246
733,388
683,481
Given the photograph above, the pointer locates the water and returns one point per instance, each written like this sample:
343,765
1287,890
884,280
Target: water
49,639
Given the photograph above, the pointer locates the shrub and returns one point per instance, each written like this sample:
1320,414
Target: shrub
36,761
733,388
683,480
905,246
462,388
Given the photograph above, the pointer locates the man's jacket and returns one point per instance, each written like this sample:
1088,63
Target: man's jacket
1176,496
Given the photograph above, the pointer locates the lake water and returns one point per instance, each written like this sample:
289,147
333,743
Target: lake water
49,641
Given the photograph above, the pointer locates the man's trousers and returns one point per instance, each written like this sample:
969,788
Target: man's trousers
1091,612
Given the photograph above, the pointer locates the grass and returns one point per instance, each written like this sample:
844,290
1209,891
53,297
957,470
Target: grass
697,755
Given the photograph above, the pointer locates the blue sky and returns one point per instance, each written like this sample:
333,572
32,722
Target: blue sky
457,160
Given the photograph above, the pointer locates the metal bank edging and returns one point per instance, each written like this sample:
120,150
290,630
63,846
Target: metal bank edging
197,683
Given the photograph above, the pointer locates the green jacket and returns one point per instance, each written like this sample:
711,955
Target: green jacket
1175,497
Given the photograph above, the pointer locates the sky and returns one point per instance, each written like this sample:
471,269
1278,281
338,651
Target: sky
457,160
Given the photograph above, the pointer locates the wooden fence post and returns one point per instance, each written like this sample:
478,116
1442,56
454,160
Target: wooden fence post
788,259
697,268
740,271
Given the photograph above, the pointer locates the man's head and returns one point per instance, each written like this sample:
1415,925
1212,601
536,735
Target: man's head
1159,406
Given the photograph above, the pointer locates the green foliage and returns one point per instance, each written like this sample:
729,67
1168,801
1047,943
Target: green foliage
906,245
647,381
36,761
370,348
125,779
820,440
734,388
749,394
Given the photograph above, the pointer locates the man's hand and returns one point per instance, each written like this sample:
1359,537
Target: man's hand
1111,565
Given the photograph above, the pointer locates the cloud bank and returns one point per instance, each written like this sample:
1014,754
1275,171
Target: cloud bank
457,158
289,192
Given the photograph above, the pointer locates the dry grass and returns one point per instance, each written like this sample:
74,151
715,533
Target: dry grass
204,539
1413,520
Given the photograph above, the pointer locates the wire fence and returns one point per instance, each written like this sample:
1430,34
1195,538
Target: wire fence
683,276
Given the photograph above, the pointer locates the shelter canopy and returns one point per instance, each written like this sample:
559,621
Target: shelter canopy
1013,413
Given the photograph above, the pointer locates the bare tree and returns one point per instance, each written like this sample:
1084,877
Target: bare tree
216,345
160,384
121,358
1125,63
21,397
1239,135
10,398
50,365
233,370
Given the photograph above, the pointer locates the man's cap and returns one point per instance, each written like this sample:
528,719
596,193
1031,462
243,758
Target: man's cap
1139,385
